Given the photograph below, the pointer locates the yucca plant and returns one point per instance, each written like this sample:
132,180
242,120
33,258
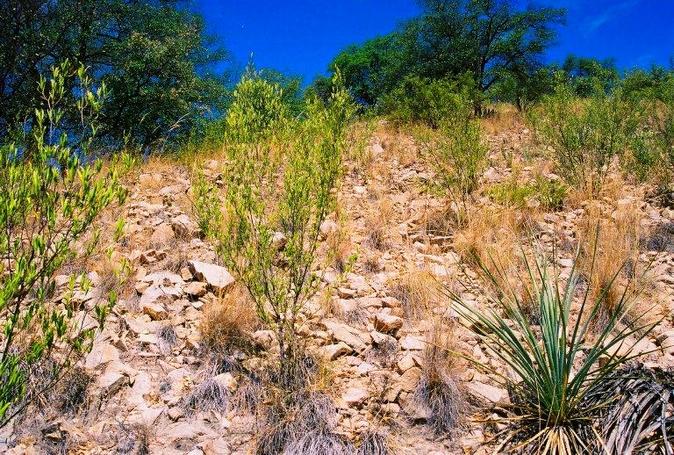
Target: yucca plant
556,369
641,416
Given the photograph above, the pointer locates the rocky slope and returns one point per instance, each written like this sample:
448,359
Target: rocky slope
150,365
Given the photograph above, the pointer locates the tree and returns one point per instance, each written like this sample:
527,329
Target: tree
589,76
373,69
489,39
152,55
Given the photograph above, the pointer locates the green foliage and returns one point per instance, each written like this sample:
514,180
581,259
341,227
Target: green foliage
489,40
51,197
370,71
590,77
459,155
152,55
549,193
431,102
556,370
585,136
279,186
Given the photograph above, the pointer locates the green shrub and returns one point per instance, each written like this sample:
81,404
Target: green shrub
558,370
584,136
459,156
279,186
428,101
549,193
50,198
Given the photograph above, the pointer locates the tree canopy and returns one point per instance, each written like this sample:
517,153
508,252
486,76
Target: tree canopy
152,55
490,40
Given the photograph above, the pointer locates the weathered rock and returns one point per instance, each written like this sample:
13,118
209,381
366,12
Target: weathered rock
355,396
487,392
217,277
196,289
265,339
182,226
412,343
356,339
387,323
333,351
409,379
100,354
162,235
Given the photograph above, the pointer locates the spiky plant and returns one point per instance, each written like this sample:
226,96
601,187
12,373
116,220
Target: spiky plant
641,420
554,368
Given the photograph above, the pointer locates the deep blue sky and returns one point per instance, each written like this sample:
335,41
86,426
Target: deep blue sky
302,37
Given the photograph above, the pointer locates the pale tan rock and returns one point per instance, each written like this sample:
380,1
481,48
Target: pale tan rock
217,277
333,351
387,323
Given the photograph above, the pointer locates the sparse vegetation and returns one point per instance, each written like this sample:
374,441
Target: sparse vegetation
586,136
265,201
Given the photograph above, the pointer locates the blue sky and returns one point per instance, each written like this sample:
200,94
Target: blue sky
302,37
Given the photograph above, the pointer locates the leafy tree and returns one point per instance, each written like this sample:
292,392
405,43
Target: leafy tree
152,55
373,69
489,39
589,76
50,199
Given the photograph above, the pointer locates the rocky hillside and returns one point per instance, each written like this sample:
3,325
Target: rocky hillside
176,369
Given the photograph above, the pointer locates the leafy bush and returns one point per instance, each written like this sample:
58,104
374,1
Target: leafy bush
549,193
51,196
585,135
429,101
554,370
279,186
459,156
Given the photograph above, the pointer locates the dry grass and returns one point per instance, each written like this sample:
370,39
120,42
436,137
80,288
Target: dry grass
493,234
398,145
228,322
505,117
439,390
378,223
418,291
609,236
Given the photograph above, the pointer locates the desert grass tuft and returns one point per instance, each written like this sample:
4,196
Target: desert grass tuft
299,422
210,395
439,390
228,322
375,442
417,290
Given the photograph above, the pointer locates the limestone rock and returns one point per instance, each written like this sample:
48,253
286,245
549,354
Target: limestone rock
356,339
387,323
162,234
487,392
217,277
333,351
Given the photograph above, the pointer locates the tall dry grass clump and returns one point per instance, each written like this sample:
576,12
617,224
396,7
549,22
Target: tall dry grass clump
609,237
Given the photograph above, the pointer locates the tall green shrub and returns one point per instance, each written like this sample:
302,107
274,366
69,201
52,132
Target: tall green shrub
51,195
585,136
280,183
428,101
